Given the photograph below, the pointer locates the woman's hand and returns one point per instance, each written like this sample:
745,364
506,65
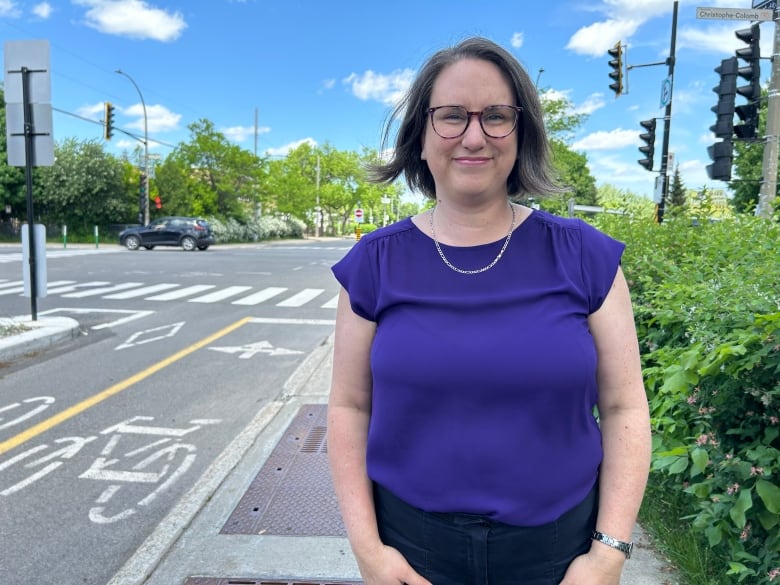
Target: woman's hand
596,567
387,566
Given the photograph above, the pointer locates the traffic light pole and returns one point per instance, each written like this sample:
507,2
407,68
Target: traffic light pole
768,189
664,171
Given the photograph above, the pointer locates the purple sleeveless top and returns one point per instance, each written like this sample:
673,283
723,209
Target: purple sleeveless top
484,385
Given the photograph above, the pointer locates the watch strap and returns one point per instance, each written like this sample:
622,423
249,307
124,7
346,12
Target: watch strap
624,547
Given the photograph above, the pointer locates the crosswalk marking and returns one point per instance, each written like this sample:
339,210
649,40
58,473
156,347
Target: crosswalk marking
12,283
140,292
220,295
182,292
102,290
301,298
20,289
259,297
332,303
242,295
73,287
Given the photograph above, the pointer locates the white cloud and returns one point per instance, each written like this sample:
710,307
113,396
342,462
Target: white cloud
517,40
591,104
607,140
159,118
595,39
285,150
9,8
241,133
387,89
134,19
42,10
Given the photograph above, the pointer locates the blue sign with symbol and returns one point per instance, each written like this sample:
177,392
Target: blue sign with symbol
765,4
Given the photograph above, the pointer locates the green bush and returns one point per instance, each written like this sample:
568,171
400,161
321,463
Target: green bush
708,317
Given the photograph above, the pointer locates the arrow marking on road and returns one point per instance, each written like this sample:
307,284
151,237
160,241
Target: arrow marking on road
248,350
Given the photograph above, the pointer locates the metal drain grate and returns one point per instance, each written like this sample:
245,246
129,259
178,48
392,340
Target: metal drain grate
292,495
221,581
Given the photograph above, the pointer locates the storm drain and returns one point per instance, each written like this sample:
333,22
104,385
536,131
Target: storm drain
220,581
292,495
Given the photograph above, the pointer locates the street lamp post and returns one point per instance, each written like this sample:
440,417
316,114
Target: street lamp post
146,148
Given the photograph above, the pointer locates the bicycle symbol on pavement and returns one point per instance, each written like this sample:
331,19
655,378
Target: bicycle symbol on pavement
127,467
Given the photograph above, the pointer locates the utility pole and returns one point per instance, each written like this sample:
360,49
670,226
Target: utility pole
768,189
145,210
659,208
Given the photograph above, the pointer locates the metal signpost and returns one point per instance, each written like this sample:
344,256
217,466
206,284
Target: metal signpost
30,142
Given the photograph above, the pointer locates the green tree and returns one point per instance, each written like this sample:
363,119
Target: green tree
85,187
677,197
561,121
209,176
574,173
12,181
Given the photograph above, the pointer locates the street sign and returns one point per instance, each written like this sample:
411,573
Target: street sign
358,215
749,14
666,91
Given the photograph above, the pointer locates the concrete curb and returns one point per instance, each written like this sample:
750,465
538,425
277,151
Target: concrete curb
41,334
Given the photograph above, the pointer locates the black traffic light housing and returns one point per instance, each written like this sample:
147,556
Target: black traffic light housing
648,148
727,91
721,154
108,120
616,63
751,73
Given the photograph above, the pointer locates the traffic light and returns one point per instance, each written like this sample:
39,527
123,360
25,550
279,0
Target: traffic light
108,120
158,202
648,148
748,115
751,73
616,63
726,90
721,154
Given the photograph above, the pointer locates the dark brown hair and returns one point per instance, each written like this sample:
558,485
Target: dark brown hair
532,173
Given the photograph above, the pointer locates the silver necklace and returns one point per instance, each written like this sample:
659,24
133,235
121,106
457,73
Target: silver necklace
478,270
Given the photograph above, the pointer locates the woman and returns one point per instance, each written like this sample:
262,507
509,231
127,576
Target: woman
487,420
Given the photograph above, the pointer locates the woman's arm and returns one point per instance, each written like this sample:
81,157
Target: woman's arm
625,428
349,410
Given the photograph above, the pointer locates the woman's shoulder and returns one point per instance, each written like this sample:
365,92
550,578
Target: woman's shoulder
404,227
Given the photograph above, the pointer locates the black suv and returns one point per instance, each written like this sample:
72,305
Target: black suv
187,232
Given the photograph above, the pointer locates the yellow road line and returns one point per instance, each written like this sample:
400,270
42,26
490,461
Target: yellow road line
53,421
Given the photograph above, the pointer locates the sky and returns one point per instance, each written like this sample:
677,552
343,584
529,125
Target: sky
272,74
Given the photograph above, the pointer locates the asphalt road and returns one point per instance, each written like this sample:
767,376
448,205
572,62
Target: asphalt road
99,438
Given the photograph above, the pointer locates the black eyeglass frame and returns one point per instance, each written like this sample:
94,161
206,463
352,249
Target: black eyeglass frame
469,115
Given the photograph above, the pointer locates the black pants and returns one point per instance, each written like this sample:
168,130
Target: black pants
466,549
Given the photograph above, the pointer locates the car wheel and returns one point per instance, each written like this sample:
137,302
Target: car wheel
188,243
203,247
132,242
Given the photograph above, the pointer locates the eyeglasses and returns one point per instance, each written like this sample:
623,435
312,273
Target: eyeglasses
452,121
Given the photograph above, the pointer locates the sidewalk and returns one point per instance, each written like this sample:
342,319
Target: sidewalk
264,513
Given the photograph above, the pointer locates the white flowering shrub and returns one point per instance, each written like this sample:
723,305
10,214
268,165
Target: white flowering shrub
263,228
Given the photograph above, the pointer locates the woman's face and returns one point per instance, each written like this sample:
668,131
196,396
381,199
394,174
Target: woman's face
473,164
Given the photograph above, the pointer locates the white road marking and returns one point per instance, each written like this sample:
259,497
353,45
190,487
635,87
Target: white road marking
259,297
301,298
182,292
220,295
140,292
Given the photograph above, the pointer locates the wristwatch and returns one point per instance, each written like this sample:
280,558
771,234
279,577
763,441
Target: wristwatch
624,547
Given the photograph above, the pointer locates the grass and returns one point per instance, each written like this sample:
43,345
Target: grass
8,327
696,564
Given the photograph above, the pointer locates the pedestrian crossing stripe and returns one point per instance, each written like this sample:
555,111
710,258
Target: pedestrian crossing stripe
161,292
